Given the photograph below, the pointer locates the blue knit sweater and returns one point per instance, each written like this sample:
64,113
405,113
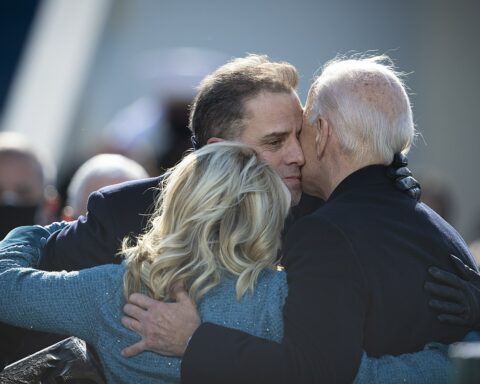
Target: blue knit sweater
89,303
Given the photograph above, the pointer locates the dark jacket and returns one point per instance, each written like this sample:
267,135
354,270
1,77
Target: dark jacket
356,269
113,212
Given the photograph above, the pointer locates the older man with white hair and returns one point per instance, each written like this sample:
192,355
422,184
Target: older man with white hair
356,267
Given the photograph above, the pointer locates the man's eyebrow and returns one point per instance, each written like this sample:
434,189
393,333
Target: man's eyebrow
273,136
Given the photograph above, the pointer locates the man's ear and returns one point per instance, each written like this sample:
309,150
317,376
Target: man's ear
212,140
322,135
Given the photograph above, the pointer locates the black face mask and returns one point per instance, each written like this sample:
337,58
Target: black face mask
12,216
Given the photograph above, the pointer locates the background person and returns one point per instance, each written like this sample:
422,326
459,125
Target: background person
27,196
98,172
27,185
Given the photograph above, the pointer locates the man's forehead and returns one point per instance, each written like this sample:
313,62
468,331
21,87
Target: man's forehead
272,113
269,99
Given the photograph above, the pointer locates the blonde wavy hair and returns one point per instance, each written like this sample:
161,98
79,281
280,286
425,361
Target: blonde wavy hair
221,210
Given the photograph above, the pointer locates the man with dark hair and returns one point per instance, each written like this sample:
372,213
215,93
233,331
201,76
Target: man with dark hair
252,100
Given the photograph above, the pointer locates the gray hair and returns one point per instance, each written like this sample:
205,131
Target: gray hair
365,101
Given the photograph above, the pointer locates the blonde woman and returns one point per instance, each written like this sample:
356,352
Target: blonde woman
216,231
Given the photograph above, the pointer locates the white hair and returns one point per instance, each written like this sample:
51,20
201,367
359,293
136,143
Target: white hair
99,168
365,101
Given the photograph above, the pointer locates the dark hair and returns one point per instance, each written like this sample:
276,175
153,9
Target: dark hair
218,110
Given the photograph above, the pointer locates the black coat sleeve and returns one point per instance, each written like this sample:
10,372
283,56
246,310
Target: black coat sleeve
323,319
95,239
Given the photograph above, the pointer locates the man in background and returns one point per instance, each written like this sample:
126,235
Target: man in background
27,196
27,190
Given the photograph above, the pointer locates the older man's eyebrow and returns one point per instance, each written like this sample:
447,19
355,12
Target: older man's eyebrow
273,136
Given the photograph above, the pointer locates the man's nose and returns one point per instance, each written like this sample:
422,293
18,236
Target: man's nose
296,154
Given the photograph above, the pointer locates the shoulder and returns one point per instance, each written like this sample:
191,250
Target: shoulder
449,236
135,195
104,283
129,188
106,275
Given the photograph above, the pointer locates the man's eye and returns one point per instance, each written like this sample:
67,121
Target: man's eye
275,143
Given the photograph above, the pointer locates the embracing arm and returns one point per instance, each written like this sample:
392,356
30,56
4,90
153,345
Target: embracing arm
113,213
310,351
85,243
323,319
218,354
431,365
57,302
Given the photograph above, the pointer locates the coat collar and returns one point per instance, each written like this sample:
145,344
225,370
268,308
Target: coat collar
367,176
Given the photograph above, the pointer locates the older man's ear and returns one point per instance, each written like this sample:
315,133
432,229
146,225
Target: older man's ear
322,135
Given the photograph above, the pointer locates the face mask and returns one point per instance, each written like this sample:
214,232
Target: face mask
12,216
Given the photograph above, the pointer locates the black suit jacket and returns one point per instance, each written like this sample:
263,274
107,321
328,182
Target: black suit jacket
356,269
113,212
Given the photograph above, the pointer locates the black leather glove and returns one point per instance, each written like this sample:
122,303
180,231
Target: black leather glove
402,177
456,296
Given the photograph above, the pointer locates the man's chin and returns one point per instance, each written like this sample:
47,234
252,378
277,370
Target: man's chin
296,195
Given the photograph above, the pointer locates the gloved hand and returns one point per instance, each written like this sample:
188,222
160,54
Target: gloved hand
456,297
402,177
